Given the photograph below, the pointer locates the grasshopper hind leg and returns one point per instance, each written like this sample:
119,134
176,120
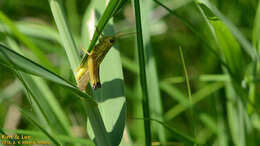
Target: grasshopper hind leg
93,69
97,83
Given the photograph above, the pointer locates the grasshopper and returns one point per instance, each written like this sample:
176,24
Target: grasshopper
89,70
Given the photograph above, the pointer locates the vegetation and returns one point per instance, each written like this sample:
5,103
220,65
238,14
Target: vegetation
185,72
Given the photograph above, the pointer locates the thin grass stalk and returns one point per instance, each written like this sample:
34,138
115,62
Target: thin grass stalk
142,69
189,92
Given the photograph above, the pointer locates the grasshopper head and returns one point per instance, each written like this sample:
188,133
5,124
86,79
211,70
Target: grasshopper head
109,40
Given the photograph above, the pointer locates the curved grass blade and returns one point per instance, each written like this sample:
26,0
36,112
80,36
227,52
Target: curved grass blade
12,59
228,46
233,29
32,120
42,95
230,49
37,52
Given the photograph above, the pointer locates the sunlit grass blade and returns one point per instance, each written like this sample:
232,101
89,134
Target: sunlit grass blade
111,96
112,7
87,18
65,33
96,121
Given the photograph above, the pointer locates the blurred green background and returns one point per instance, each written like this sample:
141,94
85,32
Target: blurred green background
223,78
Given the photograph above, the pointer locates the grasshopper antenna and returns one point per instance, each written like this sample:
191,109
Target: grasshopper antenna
121,34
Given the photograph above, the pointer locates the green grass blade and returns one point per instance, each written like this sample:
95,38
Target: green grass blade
175,133
233,29
189,92
174,93
2,132
10,90
11,59
256,29
65,33
85,32
37,52
228,45
112,92
96,121
33,120
234,58
209,122
111,97
197,96
112,7
46,99
201,78
73,16
153,90
142,69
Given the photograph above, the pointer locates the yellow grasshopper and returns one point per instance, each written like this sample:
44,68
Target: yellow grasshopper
89,69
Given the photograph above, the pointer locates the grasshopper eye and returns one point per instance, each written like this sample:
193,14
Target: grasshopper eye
112,41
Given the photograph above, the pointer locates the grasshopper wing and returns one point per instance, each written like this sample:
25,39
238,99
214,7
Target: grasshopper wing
83,80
